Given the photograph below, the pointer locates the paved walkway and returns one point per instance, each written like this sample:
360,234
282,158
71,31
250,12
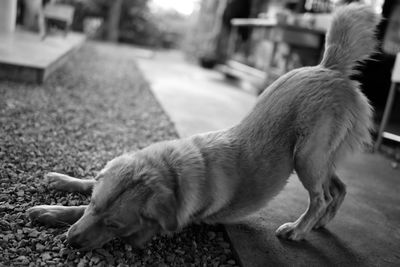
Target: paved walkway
366,231
196,99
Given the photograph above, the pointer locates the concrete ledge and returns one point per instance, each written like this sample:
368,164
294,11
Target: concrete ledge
20,73
25,57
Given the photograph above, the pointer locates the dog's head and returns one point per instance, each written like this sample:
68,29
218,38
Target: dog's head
132,199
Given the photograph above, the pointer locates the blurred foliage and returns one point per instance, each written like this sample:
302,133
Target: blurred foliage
172,27
137,24
130,21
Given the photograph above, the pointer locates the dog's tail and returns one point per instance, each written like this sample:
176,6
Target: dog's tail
351,38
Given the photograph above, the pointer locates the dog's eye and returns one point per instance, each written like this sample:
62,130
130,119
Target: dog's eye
112,224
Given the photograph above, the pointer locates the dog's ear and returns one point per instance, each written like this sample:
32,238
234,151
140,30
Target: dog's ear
162,207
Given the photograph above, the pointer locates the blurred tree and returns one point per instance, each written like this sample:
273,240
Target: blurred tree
138,24
116,14
113,20
131,21
172,26
111,12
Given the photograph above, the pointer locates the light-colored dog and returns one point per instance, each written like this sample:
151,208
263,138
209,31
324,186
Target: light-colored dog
306,121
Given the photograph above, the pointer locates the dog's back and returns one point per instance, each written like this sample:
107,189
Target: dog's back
290,110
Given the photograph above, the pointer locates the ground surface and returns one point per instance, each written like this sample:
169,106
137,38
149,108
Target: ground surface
366,230
96,107
197,100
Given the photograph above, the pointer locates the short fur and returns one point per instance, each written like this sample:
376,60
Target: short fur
305,121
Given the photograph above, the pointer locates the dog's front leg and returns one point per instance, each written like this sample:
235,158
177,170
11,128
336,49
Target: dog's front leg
67,183
56,216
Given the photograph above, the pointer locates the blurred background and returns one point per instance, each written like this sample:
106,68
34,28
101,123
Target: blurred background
250,41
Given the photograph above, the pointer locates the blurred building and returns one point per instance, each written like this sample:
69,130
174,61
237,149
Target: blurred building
259,40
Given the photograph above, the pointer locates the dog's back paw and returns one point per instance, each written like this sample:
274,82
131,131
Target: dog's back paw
290,231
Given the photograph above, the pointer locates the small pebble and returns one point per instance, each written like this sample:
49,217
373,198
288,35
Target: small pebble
23,260
224,245
180,252
34,233
94,259
211,235
82,263
170,258
46,256
39,247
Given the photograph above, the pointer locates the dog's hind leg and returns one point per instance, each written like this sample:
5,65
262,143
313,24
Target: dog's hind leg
318,202
67,183
313,167
56,216
337,190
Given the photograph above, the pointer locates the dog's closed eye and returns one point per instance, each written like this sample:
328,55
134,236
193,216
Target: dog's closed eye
112,224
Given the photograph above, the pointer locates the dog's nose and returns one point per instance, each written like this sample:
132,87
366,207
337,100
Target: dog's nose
73,239
75,244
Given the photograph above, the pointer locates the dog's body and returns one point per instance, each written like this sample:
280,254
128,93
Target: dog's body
306,121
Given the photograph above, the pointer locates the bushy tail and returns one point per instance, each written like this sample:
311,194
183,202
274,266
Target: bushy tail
351,38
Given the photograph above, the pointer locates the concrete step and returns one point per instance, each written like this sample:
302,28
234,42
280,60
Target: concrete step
25,57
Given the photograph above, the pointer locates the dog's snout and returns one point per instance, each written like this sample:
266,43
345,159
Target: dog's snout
74,238
75,244
73,241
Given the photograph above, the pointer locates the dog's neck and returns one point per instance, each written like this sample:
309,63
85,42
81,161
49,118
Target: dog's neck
187,171
194,161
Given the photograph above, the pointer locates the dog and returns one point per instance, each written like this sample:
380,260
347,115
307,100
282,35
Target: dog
306,121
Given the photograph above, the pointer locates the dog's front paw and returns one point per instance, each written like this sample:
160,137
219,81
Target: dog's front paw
45,214
290,231
60,181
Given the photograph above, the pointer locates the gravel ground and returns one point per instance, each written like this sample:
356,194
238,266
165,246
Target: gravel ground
93,109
